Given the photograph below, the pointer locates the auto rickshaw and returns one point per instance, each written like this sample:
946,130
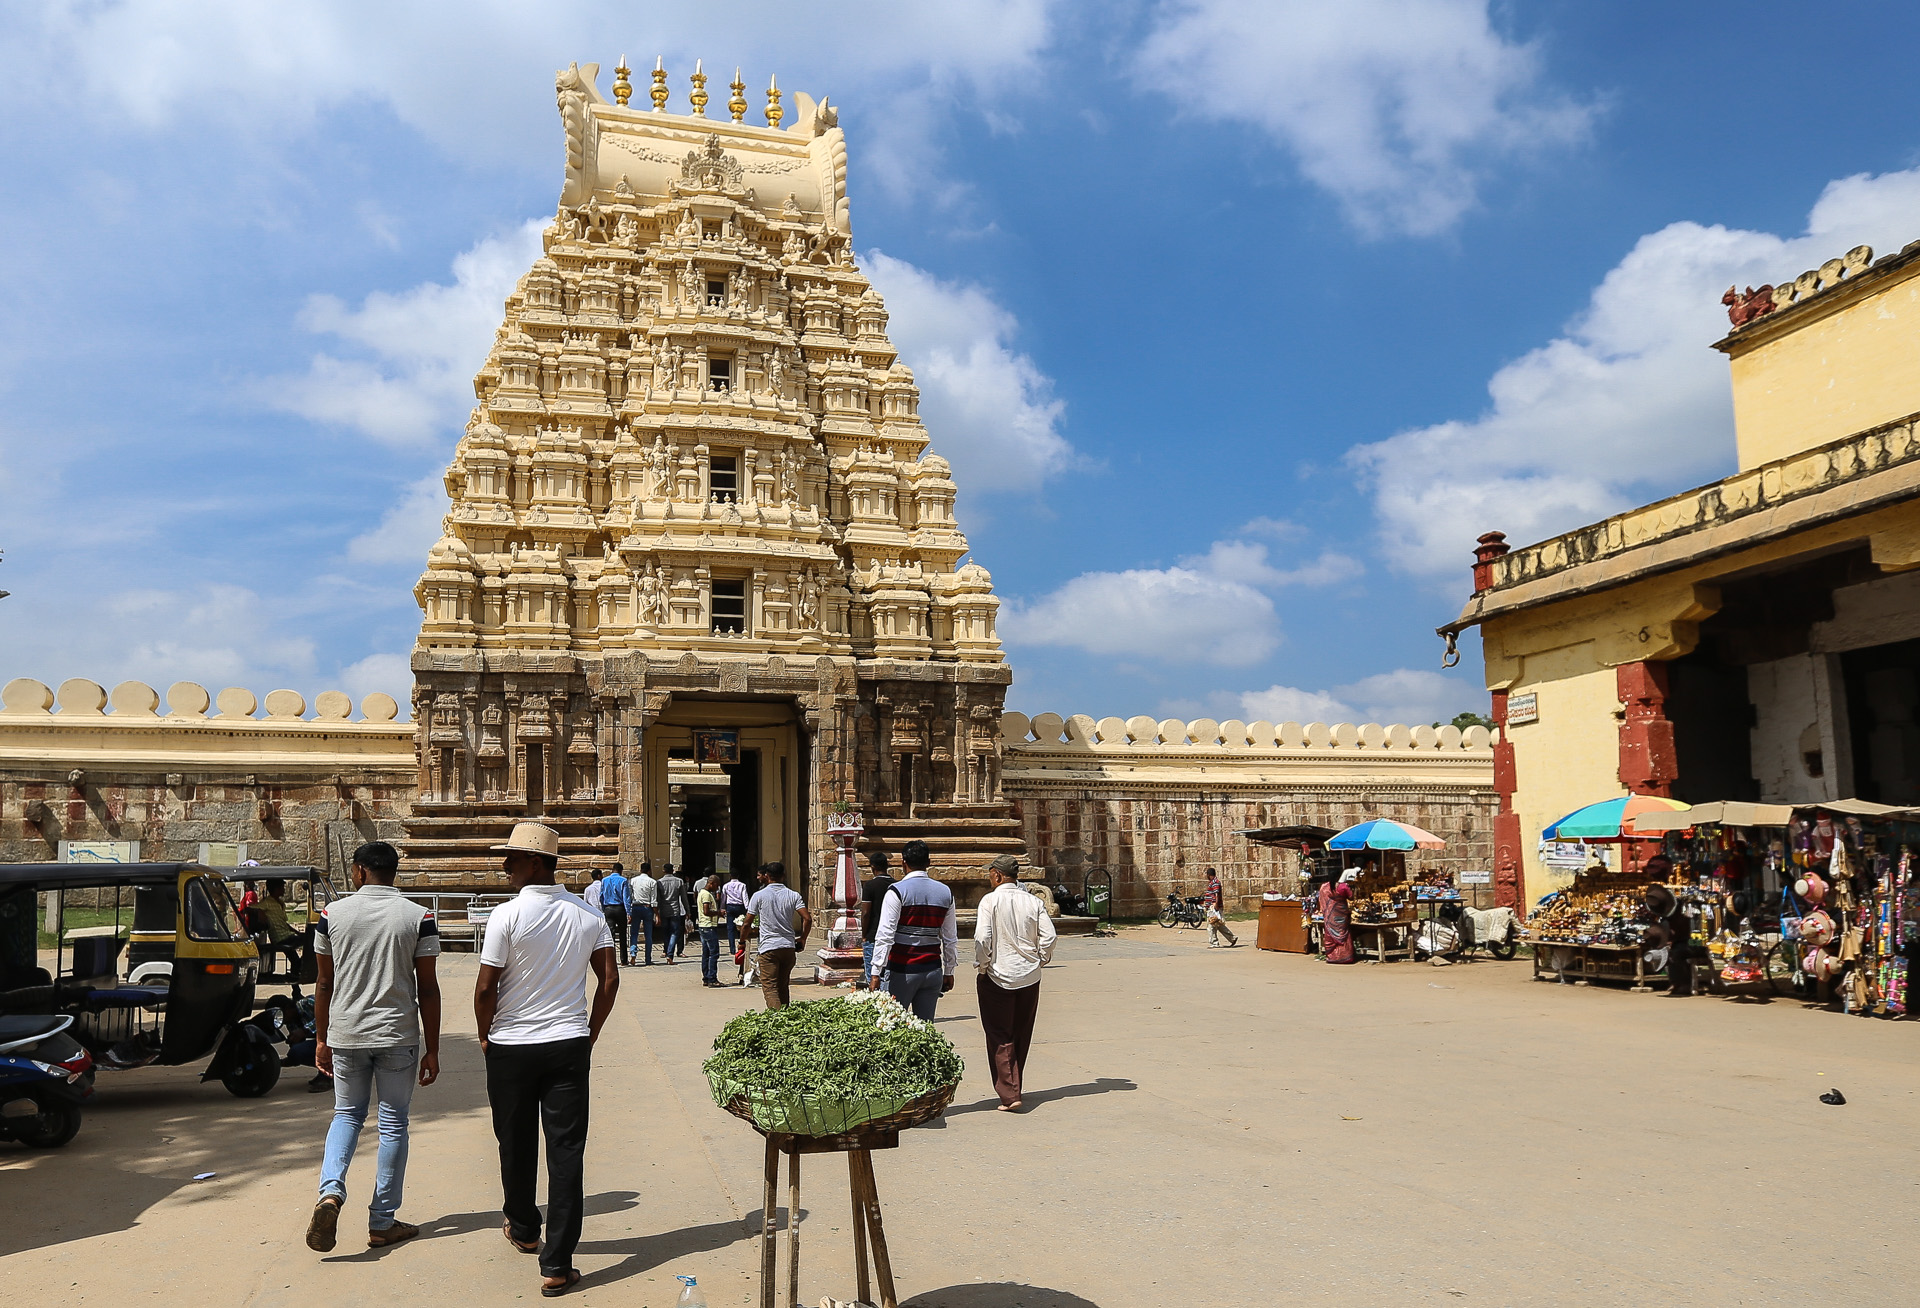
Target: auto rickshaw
182,916
319,893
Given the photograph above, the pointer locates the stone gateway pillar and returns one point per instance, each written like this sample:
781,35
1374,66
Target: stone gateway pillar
701,578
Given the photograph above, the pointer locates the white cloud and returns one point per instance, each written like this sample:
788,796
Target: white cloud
1394,107
216,634
475,76
989,408
390,674
408,529
1210,608
1178,615
1628,404
1405,695
419,347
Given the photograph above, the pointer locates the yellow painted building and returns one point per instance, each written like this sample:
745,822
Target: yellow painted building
1757,638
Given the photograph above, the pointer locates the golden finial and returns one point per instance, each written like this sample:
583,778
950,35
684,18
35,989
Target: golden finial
659,89
622,88
699,96
774,112
738,105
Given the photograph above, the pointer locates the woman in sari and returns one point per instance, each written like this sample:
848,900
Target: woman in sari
1336,933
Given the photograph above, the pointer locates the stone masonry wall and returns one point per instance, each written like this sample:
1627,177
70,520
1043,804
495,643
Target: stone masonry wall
1157,803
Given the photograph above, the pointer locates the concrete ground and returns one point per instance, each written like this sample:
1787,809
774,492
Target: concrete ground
1206,1127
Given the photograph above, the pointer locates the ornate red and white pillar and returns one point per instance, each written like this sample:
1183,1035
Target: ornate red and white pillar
840,958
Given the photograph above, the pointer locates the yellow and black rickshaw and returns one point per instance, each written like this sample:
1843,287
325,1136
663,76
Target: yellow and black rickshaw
181,916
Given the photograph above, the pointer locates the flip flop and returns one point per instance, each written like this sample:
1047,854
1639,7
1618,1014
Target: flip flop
506,1229
555,1291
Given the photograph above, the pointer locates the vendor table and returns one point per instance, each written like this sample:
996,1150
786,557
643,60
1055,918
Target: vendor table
1382,951
1283,927
867,1231
1589,963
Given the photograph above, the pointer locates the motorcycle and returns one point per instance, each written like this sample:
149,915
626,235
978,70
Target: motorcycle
45,1075
1188,912
1071,905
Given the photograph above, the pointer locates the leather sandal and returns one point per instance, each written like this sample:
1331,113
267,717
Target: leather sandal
321,1226
398,1233
506,1229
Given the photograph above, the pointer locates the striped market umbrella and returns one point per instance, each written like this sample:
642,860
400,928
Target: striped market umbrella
1602,822
1383,833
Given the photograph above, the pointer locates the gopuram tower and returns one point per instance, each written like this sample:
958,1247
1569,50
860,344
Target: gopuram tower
701,581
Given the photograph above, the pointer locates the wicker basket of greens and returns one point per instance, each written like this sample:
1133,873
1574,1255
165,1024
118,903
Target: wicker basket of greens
830,1066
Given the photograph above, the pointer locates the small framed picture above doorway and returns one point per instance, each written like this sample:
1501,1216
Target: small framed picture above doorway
716,746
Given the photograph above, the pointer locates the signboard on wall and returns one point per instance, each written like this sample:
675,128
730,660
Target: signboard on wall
1522,709
716,746
1573,855
99,851
1475,878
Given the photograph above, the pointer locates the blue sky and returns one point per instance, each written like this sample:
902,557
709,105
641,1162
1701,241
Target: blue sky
1238,320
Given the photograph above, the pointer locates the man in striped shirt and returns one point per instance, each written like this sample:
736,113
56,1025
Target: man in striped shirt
918,936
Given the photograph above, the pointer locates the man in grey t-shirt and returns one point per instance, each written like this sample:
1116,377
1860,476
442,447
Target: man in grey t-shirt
780,917
375,993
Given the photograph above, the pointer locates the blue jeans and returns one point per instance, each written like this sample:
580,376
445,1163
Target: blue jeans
734,913
710,954
866,962
676,936
638,926
917,988
359,1076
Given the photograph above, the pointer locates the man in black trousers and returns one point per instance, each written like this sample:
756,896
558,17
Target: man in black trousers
530,1008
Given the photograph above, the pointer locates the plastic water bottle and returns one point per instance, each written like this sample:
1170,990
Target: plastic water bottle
690,1296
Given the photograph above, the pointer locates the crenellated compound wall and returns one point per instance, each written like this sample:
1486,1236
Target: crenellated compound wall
83,764
1155,803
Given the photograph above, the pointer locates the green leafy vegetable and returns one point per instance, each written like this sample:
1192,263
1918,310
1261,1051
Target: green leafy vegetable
855,1047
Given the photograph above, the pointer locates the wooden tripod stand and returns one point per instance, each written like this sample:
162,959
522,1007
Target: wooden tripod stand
867,1231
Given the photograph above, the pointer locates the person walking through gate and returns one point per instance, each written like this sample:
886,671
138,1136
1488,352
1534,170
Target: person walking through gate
733,898
1012,940
616,905
917,936
781,918
645,893
673,913
870,897
707,920
530,1010
1216,906
376,1005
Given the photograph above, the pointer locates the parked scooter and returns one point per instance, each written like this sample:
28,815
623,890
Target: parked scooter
45,1075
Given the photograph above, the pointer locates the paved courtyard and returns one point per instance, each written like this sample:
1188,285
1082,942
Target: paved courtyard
1207,1127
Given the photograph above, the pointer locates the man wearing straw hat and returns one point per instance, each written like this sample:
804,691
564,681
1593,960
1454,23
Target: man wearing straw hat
530,1009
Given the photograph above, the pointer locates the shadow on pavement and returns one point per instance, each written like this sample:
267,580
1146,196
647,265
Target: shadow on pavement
597,1205
1034,1098
997,1294
146,1133
645,1252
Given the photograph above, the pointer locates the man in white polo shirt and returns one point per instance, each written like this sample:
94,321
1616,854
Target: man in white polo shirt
530,1008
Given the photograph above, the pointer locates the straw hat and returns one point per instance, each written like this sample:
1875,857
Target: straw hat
531,838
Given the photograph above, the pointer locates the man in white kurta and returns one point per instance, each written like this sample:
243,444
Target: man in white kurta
1012,940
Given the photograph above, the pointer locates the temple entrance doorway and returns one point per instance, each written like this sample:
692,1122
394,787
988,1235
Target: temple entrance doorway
725,788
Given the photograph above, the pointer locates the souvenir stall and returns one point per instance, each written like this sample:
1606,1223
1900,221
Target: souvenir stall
1592,931
1819,901
1383,910
1287,914
1728,874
